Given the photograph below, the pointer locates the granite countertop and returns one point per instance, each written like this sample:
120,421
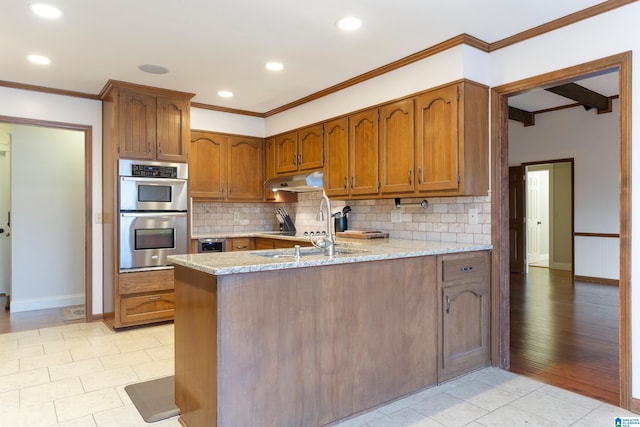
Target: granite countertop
347,251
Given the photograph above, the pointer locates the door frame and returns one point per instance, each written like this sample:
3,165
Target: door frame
88,192
500,207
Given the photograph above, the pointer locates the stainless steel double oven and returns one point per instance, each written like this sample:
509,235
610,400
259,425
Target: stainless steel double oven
153,213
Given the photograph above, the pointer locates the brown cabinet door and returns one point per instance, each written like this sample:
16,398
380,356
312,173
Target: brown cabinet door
287,152
137,125
464,283
172,129
336,167
244,172
437,142
310,148
207,165
240,244
363,152
396,147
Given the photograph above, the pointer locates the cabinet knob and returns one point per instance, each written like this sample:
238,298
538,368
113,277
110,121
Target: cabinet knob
448,304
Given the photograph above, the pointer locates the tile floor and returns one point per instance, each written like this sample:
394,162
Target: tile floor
74,375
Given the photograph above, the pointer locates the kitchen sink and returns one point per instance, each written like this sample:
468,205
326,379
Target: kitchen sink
304,252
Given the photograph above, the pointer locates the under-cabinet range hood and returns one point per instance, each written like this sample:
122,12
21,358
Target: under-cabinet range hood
296,183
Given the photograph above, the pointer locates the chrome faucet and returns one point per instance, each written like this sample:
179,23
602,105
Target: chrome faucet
327,243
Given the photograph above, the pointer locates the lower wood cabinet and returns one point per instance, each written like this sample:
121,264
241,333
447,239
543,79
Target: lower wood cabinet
144,297
463,283
240,244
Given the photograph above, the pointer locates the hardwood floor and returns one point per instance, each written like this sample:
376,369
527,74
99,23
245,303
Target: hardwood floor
565,333
14,322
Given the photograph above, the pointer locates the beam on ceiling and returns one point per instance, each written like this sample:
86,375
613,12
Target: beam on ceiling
584,96
525,117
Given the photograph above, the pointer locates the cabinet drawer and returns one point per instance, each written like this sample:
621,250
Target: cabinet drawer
144,308
464,266
239,244
145,281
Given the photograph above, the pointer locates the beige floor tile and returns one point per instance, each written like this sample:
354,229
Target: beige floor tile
8,344
39,394
132,343
86,421
19,353
570,397
124,396
400,404
10,399
550,408
404,418
24,379
507,381
125,359
59,330
122,416
39,339
109,378
482,395
510,416
169,422
362,420
88,403
45,361
32,416
75,369
603,415
16,335
9,367
166,352
157,369
449,410
94,351
66,344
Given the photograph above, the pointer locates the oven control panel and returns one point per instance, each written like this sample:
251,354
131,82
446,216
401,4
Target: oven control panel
154,171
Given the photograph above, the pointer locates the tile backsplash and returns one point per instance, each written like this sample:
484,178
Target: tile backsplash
445,218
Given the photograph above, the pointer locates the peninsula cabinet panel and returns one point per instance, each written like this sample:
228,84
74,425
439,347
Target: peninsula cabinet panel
396,147
452,140
207,165
244,171
363,152
286,154
336,166
464,315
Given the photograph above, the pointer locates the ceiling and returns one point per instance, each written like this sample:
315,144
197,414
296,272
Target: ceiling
210,45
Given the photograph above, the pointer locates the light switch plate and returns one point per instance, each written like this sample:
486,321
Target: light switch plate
236,216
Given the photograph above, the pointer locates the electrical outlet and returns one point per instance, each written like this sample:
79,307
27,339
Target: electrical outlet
236,216
396,215
473,216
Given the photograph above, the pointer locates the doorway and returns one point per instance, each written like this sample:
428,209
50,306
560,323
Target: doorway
50,235
500,213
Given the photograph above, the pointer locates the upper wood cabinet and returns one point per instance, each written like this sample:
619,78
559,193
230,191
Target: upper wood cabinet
299,150
336,165
152,127
363,153
226,167
396,147
452,140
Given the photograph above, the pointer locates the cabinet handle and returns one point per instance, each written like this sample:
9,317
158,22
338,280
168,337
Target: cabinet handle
345,182
299,159
410,177
295,160
448,304
465,269
153,298
149,147
419,175
352,181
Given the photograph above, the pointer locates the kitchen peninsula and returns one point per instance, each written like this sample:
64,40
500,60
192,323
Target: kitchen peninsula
265,338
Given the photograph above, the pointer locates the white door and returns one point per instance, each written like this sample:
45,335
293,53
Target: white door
5,208
47,218
538,217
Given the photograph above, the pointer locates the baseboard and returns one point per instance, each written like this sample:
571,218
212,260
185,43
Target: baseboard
18,305
614,282
560,266
635,405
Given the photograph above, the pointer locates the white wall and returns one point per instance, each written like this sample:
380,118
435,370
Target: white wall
217,121
47,218
65,109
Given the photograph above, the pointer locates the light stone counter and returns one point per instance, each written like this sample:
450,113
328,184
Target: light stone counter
347,251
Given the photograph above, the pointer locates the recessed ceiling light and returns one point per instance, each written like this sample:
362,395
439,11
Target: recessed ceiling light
46,11
274,66
349,23
39,59
153,69
225,93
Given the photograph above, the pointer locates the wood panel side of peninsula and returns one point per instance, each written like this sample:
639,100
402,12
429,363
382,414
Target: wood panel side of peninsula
303,346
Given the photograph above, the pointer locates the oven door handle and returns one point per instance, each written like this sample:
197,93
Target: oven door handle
158,181
151,214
